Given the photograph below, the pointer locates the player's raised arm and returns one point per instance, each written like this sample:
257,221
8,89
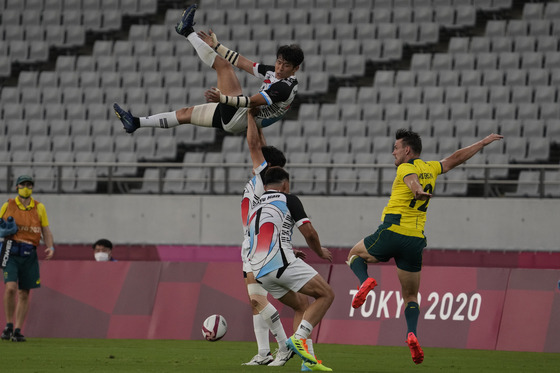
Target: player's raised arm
462,155
255,141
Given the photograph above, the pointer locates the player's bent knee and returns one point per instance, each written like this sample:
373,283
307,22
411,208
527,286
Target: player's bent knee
258,302
222,64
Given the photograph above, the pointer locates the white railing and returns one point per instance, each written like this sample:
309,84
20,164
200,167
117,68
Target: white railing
218,173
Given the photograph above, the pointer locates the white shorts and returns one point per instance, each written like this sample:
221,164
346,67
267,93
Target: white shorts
238,123
294,277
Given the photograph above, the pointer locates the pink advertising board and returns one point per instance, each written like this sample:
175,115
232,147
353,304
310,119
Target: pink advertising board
461,307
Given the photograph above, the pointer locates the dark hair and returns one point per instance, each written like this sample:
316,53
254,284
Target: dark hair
273,156
410,138
291,53
103,242
275,175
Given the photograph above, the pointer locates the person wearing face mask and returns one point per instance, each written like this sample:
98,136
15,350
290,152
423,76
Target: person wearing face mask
103,250
21,271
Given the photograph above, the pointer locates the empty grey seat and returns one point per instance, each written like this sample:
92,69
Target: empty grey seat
545,94
552,184
528,185
448,78
510,128
465,128
499,94
509,60
411,95
346,95
538,149
454,183
483,111
486,61
460,111
389,95
455,94
438,111
501,44
426,78
479,44
524,44
459,44
345,181
432,95
471,78
547,44
493,77
421,61
533,128
516,148
150,181
515,77
517,27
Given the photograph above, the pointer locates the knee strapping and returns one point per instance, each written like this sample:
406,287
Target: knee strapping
202,115
256,289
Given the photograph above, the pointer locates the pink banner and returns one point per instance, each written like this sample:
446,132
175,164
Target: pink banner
209,253
460,307
478,308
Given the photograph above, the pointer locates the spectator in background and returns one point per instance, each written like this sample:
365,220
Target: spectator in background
21,271
103,250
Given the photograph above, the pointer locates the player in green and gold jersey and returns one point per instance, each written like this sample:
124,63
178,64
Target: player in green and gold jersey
401,233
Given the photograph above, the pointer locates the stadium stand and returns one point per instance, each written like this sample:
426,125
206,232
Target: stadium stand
452,72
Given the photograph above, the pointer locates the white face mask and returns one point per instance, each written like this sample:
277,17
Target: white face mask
101,257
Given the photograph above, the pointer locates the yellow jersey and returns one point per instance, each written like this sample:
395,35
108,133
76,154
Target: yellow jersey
407,215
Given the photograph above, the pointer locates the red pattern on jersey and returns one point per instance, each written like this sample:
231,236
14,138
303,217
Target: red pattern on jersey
266,232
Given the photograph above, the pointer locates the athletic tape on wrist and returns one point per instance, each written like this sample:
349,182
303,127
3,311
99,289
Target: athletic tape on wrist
239,101
231,56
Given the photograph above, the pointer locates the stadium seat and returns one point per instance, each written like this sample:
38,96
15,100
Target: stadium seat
528,185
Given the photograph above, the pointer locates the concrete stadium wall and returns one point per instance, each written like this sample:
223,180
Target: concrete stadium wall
453,223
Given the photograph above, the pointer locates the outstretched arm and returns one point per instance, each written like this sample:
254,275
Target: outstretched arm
462,155
214,95
255,141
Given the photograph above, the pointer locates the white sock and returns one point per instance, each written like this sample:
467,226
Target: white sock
163,120
204,51
309,343
271,316
304,330
261,335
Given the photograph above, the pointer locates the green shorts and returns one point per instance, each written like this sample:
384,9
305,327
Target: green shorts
407,250
24,270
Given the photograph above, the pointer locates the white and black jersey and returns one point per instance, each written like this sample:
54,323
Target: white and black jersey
278,93
271,225
252,193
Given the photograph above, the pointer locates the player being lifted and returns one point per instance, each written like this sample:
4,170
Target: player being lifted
227,107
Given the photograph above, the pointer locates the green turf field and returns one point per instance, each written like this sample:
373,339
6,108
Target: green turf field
162,356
